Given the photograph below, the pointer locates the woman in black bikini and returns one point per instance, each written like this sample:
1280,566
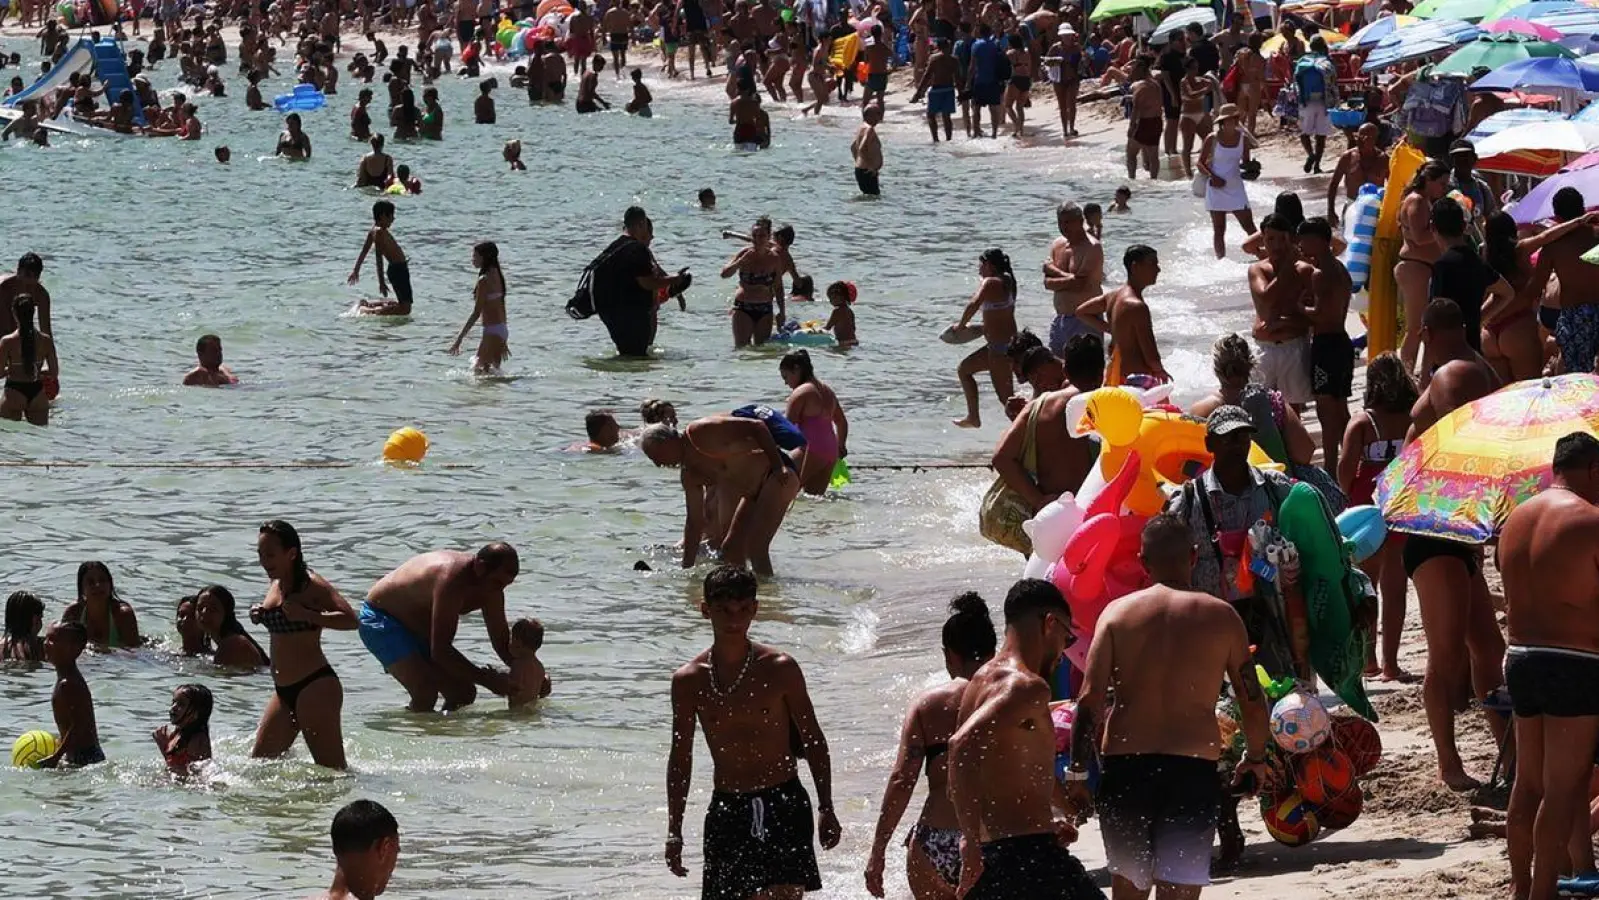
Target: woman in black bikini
307,695
758,267
933,859
376,168
27,356
405,117
235,648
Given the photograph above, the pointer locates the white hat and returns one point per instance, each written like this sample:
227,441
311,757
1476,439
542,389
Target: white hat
1065,29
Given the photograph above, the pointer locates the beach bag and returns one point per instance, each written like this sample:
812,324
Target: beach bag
1310,80
1435,107
581,306
1201,183
1229,84
1000,517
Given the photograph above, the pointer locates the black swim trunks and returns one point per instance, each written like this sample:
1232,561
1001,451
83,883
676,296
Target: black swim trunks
759,840
1332,365
866,180
1158,816
464,32
400,282
1552,681
1034,865
1421,548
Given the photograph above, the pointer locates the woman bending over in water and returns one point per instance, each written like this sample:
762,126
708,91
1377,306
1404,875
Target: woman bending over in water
488,299
815,409
307,696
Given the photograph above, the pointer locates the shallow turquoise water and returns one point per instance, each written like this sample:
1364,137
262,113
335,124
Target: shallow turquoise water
149,244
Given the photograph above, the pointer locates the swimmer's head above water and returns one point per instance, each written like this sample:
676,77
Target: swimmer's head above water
603,431
224,154
707,198
366,844
655,411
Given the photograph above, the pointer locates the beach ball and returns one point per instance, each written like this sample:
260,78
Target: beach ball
1323,774
31,748
406,445
1358,739
1290,820
1299,722
1342,810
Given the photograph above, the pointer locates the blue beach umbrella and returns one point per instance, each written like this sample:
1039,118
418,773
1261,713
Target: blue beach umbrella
1546,73
1419,41
1372,34
1571,22
1533,10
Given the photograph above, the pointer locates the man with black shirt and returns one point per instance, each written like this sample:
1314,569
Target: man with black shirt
1460,274
626,282
1202,51
1170,64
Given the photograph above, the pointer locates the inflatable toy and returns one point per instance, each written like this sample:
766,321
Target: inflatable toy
840,477
1049,529
1337,648
1061,714
1357,739
1341,811
1363,527
1323,774
506,35
303,98
32,747
558,7
1299,723
1171,445
844,52
806,334
468,53
1382,308
407,445
1360,230
1290,820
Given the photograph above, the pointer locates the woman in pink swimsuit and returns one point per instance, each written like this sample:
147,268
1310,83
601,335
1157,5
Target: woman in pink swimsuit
814,408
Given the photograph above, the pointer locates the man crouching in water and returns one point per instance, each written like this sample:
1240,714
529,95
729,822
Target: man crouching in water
737,485
757,714
410,617
1002,762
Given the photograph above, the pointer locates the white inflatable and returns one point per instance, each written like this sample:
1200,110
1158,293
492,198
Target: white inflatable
1360,231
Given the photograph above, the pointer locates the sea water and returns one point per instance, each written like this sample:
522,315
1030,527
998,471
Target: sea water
150,243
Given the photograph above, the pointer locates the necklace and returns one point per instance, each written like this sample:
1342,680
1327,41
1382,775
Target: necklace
716,687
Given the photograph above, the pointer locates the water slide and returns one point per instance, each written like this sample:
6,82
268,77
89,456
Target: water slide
78,59
112,69
104,59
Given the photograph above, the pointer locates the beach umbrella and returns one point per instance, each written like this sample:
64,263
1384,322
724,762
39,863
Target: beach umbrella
1469,10
1522,26
1419,41
1538,205
1275,44
1462,478
1521,9
1369,35
1510,118
1180,20
1571,22
1492,51
1110,9
1544,73
1562,135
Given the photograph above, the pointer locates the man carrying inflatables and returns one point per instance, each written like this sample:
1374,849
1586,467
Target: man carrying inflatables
1161,651
1549,557
757,715
1463,640
627,282
737,485
1002,762
410,617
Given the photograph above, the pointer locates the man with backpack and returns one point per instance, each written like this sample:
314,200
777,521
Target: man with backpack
624,285
1316,82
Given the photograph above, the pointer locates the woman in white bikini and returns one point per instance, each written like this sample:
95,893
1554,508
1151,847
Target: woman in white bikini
1195,122
488,304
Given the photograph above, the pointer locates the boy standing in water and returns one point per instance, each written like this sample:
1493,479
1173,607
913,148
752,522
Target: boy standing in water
868,150
753,704
388,249
70,701
366,843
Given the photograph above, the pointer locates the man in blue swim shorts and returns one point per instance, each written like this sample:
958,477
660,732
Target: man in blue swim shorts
410,617
938,83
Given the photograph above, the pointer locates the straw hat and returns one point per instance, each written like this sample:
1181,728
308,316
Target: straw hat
1227,111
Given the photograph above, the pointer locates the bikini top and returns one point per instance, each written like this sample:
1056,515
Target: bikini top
1000,305
1381,451
756,279
276,621
932,752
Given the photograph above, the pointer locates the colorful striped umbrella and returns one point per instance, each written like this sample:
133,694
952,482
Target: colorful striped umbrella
1522,26
1462,478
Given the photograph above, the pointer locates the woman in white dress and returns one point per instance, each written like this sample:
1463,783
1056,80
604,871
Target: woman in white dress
1221,161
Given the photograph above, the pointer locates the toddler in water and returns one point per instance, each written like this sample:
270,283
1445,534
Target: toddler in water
1094,220
603,431
187,740
513,155
842,322
70,701
1123,195
528,677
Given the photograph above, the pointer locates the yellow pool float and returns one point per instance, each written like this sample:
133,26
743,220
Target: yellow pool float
1170,445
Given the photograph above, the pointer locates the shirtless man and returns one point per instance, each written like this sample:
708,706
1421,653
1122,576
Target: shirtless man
1251,78
580,38
588,89
937,82
1463,641
1365,163
1012,812
410,616
1062,461
1332,353
1549,556
1074,272
1577,331
1144,125
1123,314
25,281
28,121
757,715
1278,286
1162,652
867,149
210,372
751,125
736,463
617,23
388,249
366,845
878,58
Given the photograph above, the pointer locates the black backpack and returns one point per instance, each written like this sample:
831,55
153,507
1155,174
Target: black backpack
581,306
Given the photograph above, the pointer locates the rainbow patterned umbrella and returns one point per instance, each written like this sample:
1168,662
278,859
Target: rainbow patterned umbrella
1463,476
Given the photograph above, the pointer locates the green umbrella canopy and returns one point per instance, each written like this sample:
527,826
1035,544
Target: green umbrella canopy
1470,10
1494,50
1110,9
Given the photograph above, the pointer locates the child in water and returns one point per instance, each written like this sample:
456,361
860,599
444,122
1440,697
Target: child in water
70,701
379,237
404,178
603,431
513,155
640,104
842,322
804,290
1094,220
656,410
707,199
1123,195
488,299
527,672
187,740
24,621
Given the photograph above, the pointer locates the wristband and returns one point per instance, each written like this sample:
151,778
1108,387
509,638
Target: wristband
674,840
1074,776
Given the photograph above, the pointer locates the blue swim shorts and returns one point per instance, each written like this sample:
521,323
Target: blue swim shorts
941,101
387,638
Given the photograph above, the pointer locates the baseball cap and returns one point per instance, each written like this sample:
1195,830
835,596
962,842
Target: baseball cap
1226,420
